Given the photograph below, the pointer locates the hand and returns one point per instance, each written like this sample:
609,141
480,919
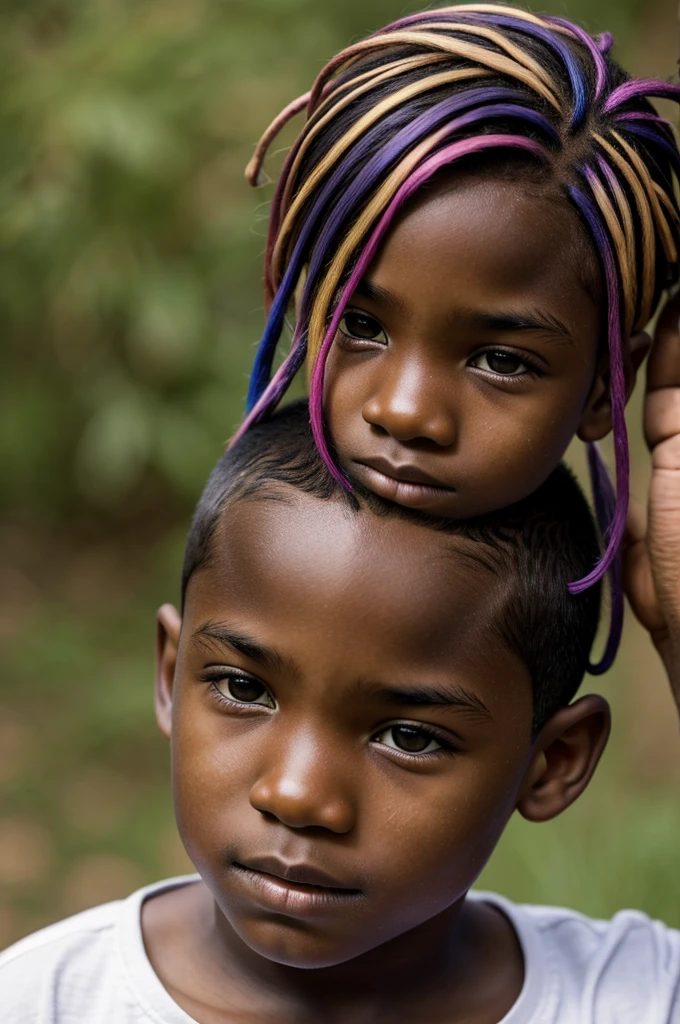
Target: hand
652,549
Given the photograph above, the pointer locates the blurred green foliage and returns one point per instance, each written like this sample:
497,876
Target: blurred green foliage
129,310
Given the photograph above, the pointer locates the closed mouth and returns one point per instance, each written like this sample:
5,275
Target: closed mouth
302,876
269,884
409,475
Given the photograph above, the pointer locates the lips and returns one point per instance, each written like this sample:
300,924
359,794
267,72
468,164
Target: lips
300,874
403,474
292,889
405,485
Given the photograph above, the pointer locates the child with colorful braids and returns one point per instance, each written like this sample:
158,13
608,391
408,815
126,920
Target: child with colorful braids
475,224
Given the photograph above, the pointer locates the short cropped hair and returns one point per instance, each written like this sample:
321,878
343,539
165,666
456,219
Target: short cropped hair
535,548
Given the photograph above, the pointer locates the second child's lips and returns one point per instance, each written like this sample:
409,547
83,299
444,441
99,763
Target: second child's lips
402,474
404,485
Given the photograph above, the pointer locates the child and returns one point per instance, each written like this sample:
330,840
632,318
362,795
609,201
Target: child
344,760
478,218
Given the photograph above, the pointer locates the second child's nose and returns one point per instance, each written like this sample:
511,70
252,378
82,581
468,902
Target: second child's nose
407,407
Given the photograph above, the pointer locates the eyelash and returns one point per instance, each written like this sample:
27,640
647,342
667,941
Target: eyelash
217,675
533,368
352,311
447,748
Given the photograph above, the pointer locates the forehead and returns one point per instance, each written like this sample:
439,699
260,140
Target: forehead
503,237
363,593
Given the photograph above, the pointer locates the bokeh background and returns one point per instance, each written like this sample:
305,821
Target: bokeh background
129,310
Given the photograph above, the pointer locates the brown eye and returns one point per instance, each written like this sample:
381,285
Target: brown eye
505,364
409,739
244,690
362,327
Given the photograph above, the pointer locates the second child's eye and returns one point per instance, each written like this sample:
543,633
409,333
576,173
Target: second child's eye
409,739
243,690
503,364
359,326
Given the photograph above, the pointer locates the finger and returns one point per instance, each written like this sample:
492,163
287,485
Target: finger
663,365
636,523
661,422
639,587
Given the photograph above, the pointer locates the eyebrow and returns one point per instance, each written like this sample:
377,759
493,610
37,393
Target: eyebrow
223,635
532,320
510,320
455,697
377,294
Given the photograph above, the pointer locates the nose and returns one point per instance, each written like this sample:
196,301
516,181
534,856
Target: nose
407,404
304,785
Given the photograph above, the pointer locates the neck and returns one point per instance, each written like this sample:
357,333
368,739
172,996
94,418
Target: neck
440,964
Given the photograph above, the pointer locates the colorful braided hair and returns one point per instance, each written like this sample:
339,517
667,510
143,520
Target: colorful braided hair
473,82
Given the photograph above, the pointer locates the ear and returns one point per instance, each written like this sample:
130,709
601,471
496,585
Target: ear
566,753
596,418
168,626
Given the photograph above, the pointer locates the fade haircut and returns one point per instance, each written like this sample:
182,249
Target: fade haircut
475,85
533,547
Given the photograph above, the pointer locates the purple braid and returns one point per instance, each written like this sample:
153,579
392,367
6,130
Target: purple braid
617,384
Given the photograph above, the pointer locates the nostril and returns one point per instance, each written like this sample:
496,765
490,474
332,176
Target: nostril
378,429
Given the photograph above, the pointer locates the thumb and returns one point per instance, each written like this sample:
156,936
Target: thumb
638,580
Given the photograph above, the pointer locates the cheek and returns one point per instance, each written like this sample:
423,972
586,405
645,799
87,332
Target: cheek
519,437
442,839
348,385
210,776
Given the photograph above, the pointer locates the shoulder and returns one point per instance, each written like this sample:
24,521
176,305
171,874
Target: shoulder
630,937
76,950
90,966
628,966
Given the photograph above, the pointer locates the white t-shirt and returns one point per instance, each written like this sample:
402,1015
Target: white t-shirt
93,969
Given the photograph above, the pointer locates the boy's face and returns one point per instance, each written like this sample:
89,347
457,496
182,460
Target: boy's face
344,713
468,359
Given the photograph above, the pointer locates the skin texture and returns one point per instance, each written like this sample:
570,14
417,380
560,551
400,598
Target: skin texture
472,353
652,548
304,606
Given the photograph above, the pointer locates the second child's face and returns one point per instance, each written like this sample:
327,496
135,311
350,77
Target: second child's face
467,360
349,732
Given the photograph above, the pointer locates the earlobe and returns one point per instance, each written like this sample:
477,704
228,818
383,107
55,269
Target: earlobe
596,419
566,753
168,626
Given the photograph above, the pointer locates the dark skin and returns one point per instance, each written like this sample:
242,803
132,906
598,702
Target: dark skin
321,721
652,552
472,353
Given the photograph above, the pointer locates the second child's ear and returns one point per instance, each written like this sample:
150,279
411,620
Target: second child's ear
168,626
566,753
596,419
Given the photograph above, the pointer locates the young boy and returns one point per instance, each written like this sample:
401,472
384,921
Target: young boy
350,734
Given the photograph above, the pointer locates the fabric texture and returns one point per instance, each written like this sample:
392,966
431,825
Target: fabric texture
93,969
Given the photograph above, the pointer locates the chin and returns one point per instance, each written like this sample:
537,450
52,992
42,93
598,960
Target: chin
294,944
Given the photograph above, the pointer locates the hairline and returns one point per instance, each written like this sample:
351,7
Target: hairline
490,560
